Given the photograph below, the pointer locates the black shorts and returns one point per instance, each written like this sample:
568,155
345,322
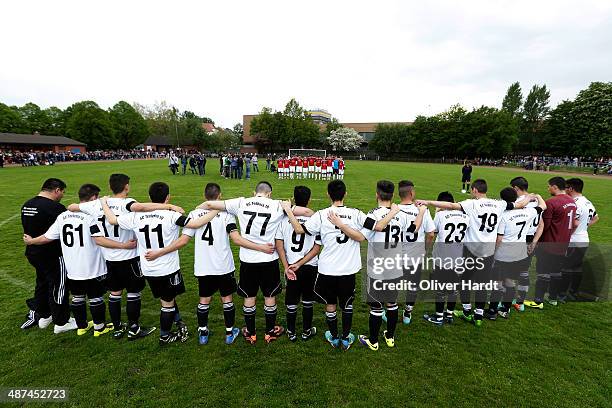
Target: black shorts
302,287
167,287
466,179
256,276
125,275
208,285
574,258
92,288
547,263
382,291
510,270
335,290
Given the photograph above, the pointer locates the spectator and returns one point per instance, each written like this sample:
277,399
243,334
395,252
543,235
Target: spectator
255,163
247,162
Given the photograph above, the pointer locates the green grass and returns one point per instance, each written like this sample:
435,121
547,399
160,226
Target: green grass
555,357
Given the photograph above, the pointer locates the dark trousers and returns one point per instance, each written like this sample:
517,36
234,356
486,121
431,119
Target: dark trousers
201,169
50,293
256,167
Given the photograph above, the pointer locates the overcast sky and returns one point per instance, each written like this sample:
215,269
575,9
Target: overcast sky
363,61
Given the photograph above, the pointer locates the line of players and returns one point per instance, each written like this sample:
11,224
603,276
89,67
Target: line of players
116,243
317,168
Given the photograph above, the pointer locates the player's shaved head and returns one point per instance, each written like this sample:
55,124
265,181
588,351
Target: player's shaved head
212,191
405,188
158,192
385,189
263,187
336,190
558,182
88,191
520,183
480,185
446,196
117,182
575,184
301,195
52,184
508,194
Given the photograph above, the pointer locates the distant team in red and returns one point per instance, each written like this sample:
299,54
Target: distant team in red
318,168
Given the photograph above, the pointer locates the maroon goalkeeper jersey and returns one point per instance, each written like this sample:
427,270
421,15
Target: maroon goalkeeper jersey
558,223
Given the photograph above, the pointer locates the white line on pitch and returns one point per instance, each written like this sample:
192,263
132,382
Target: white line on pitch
9,219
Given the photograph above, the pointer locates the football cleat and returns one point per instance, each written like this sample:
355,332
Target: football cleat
108,327
203,336
31,320
503,314
519,307
552,302
533,304
85,329
490,314
291,336
230,337
335,343
389,340
462,191
250,338
182,331
363,339
120,331
466,317
309,334
70,325
43,323
449,318
348,342
433,318
274,334
477,322
171,337
140,332
407,317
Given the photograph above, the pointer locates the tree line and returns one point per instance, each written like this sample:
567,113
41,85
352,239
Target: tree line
582,126
122,126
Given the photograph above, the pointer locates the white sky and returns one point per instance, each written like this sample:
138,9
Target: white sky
363,61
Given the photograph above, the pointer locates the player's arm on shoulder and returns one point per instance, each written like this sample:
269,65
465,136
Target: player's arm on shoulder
418,221
135,206
109,243
214,205
347,230
195,223
74,207
40,240
445,205
110,216
297,227
381,224
177,244
299,211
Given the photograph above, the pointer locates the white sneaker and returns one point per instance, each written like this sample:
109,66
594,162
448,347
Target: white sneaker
462,191
71,325
44,323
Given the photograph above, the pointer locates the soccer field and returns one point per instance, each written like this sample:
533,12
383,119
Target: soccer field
554,357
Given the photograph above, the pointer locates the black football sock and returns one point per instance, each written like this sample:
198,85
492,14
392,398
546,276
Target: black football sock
229,315
307,312
114,309
270,313
332,323
202,312
79,311
375,322
166,318
542,283
177,313
249,318
98,311
347,321
133,309
392,318
523,287
291,317
496,297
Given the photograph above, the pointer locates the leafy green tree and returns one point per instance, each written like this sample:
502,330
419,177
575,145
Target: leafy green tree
591,121
10,120
91,125
558,132
130,128
513,101
34,119
535,111
57,121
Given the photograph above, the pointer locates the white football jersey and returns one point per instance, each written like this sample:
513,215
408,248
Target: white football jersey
451,226
427,225
259,217
118,206
82,256
213,253
533,227
155,230
585,211
340,254
484,214
297,245
513,226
